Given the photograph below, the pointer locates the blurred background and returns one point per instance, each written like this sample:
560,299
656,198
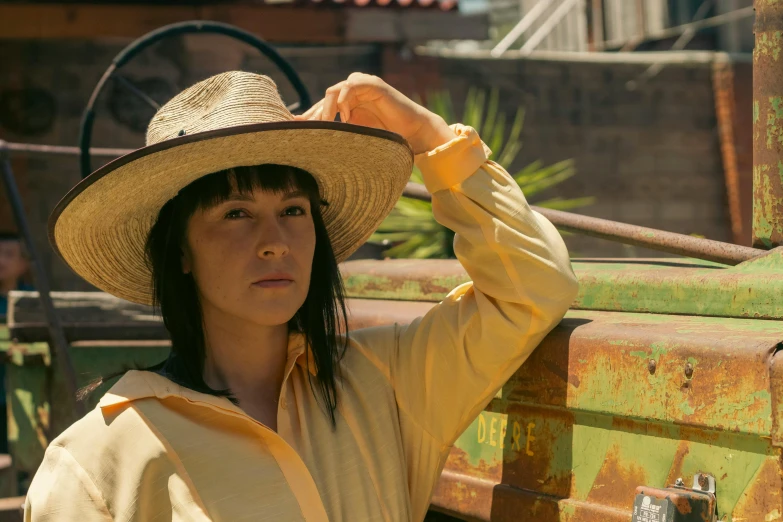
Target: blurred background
632,110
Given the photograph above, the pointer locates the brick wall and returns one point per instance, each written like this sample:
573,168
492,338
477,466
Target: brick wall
650,156
65,73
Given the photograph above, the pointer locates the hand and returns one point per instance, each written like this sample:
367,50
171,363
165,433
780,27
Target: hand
367,100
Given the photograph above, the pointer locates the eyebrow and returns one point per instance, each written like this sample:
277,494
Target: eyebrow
237,196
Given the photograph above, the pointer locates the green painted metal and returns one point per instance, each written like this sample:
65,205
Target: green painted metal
35,394
660,286
585,421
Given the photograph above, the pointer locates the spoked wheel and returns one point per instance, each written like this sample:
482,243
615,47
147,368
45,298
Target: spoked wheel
195,26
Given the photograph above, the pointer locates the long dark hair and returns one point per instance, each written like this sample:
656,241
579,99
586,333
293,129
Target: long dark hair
321,318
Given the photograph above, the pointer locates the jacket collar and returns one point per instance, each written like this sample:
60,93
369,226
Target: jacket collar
135,384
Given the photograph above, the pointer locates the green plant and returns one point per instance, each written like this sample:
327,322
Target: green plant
410,227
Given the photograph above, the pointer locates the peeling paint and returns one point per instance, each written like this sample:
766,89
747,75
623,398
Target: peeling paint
769,44
775,123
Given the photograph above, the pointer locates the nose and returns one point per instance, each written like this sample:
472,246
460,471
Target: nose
273,242
276,249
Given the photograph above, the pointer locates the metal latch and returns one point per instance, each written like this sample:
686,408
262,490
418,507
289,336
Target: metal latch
677,503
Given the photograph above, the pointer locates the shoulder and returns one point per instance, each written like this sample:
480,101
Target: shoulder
371,352
110,456
104,434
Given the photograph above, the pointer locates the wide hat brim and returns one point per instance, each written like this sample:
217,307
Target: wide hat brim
100,227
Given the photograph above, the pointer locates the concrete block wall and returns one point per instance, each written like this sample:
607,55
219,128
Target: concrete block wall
66,73
650,156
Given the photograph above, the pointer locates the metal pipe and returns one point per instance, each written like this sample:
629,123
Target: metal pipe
714,21
518,30
671,242
654,239
768,125
56,334
723,91
56,149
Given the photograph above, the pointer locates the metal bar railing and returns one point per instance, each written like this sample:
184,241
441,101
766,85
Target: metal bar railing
654,239
671,32
670,242
56,333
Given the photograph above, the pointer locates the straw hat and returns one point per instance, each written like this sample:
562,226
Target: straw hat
233,119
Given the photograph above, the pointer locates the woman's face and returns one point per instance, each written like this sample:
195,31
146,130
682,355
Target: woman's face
251,255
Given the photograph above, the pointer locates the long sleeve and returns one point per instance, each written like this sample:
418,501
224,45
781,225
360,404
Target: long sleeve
451,362
62,491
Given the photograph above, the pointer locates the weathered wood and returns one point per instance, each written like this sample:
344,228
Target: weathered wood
273,23
84,316
98,316
12,509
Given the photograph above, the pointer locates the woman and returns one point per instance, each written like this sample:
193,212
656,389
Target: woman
233,220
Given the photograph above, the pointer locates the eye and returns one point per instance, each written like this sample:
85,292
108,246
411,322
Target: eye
294,211
235,213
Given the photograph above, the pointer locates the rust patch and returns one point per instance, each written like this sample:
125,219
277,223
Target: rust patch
540,461
615,480
682,505
675,472
365,313
466,488
459,461
512,505
763,500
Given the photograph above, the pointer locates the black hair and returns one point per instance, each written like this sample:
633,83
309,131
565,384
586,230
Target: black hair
10,236
321,318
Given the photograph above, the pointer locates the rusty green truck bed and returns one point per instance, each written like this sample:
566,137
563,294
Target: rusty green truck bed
663,369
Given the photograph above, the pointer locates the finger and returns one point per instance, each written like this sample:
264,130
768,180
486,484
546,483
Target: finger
308,114
329,108
318,113
346,100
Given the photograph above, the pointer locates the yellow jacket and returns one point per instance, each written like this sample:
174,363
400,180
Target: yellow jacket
153,450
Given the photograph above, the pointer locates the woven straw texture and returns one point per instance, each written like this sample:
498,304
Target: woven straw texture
229,120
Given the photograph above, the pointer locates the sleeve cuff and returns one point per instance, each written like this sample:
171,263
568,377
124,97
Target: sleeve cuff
453,162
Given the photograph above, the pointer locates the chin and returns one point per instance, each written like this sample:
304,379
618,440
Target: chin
271,315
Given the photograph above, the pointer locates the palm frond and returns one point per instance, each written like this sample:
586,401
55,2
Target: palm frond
411,228
566,204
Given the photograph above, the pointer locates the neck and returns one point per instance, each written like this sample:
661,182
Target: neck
249,359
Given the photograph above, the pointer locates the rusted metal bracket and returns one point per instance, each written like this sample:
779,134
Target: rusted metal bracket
660,240
677,503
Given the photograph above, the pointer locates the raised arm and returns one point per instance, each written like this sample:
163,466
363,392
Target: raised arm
446,366
451,362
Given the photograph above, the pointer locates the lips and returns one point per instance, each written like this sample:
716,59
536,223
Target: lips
275,280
